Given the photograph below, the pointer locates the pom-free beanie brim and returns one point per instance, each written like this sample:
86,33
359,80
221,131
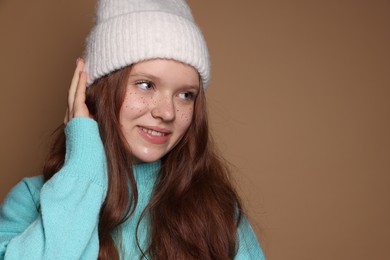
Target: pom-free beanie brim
131,38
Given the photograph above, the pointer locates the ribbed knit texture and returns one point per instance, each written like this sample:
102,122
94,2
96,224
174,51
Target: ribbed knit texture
130,31
59,219
145,176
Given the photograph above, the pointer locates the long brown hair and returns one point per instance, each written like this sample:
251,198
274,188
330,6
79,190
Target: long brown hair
194,210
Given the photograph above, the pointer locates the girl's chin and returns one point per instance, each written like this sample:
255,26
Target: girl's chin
148,157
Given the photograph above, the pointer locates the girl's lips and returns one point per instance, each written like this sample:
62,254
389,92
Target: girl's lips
154,135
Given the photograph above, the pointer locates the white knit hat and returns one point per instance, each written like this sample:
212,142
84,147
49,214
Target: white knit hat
130,31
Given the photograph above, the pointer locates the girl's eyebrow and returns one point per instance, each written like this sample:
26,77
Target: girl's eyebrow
192,87
138,74
156,79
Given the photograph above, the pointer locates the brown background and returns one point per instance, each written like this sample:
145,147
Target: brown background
299,103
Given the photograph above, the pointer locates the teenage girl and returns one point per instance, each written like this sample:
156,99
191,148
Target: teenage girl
132,173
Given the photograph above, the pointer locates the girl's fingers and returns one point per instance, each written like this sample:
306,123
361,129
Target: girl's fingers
79,106
74,83
76,94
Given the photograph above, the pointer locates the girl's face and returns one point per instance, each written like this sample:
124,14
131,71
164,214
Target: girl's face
158,106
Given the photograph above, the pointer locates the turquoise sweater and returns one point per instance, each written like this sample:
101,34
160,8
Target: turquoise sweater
59,219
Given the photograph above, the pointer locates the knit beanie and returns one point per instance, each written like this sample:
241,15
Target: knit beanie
130,31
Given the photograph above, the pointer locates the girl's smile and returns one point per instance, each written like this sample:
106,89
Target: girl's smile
154,134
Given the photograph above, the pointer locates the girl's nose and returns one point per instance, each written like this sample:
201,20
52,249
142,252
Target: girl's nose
164,109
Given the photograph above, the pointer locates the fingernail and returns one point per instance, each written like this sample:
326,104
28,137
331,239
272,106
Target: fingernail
79,60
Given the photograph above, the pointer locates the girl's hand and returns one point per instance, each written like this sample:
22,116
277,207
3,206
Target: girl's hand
76,94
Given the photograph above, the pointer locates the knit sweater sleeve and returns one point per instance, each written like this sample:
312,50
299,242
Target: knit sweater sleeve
59,221
248,247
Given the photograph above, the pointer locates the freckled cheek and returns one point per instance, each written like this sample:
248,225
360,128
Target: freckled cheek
134,104
185,115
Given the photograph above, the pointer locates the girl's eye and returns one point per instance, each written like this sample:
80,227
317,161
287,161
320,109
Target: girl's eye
144,85
187,95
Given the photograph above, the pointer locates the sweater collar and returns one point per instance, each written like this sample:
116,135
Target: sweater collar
146,172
